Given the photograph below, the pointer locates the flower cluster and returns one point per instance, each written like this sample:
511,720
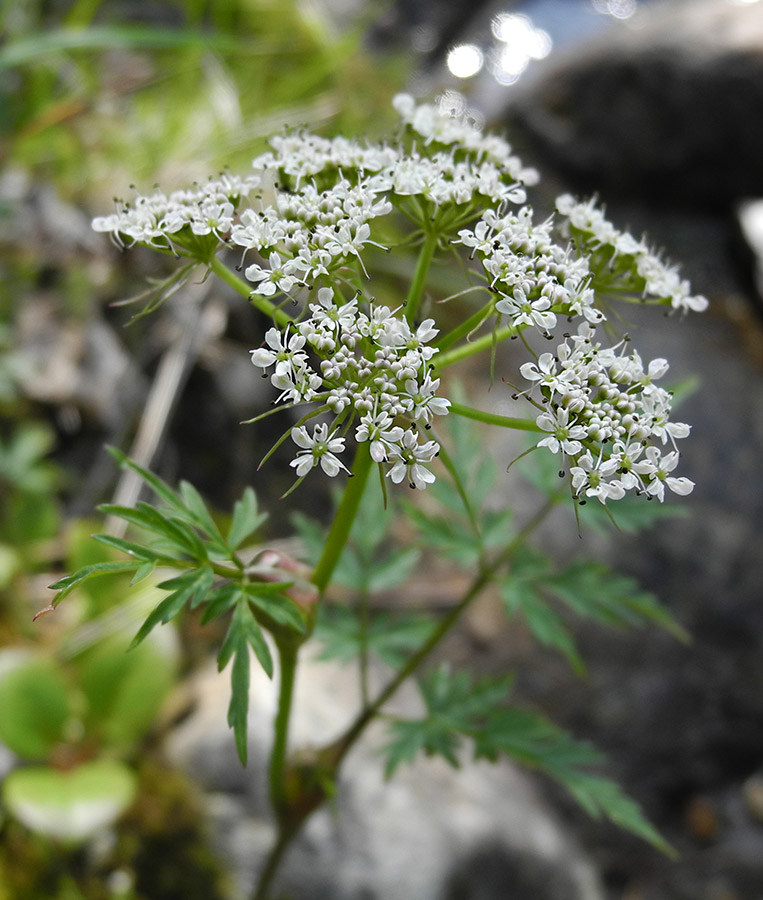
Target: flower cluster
160,220
307,234
631,265
322,203
371,369
532,278
597,397
601,409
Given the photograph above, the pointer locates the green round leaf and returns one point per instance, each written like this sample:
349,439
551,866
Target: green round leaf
125,689
35,704
69,806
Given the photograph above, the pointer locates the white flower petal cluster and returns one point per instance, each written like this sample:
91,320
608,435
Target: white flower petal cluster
631,259
604,412
463,133
302,155
159,219
533,278
308,234
370,369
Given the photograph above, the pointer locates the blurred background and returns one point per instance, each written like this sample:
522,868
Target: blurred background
657,107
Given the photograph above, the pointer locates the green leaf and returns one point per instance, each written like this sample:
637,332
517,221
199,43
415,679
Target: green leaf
191,587
243,632
312,535
457,707
593,590
602,797
535,742
219,601
160,488
392,570
364,565
199,513
178,536
238,708
539,744
185,508
131,549
68,583
71,806
125,691
392,638
36,704
588,588
246,519
450,536
275,605
194,585
372,522
424,735
143,572
545,624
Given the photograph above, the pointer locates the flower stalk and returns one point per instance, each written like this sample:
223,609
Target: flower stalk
426,255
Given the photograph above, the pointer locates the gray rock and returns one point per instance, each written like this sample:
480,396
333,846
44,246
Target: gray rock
666,107
430,833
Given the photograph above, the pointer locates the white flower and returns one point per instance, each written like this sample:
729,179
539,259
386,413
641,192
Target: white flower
564,437
282,275
589,478
280,350
407,456
318,448
380,431
524,311
655,471
424,403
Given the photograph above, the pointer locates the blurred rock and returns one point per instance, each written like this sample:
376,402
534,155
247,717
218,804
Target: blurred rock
80,367
665,107
430,833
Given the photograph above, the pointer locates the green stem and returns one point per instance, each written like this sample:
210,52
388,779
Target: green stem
420,276
284,797
343,519
279,798
441,360
241,287
287,653
272,864
465,328
493,419
364,623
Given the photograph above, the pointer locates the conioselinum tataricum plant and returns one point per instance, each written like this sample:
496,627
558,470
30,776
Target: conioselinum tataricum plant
365,380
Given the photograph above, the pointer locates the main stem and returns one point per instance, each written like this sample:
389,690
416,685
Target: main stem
287,652
285,802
